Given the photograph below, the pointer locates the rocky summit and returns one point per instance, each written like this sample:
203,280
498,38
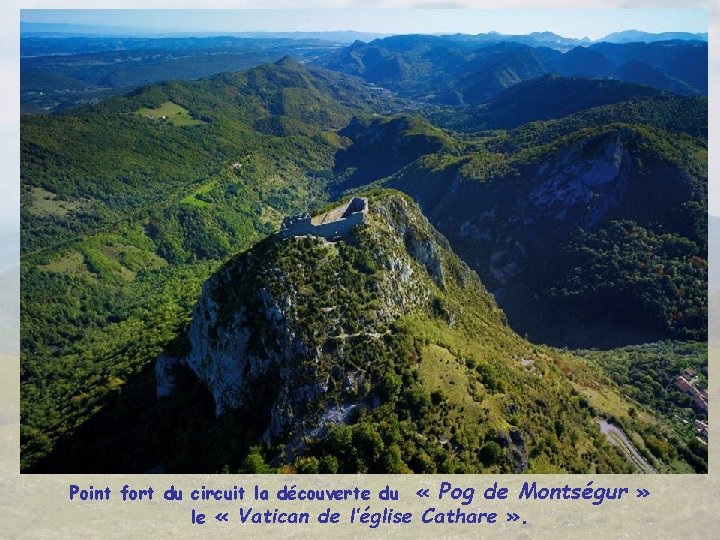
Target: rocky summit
195,237
379,351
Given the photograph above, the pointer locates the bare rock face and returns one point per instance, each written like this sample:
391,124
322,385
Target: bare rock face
500,225
277,329
422,248
578,188
224,356
595,183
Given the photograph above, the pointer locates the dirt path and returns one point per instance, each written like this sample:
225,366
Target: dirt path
617,437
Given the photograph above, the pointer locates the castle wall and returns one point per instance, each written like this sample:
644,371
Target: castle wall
299,228
339,227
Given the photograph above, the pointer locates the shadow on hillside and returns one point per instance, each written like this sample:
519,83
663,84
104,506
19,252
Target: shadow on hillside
134,432
558,327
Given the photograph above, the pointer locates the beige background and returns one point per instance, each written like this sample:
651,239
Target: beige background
37,506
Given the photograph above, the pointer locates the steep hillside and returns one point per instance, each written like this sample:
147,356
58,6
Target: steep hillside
551,97
583,62
128,206
377,352
457,70
685,61
382,146
380,352
669,112
673,114
641,73
596,238
495,70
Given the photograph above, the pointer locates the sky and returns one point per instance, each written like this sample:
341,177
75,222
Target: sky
578,23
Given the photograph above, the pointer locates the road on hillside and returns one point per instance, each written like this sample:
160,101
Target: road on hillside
617,437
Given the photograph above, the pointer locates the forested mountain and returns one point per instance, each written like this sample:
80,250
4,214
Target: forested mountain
90,169
580,203
125,211
377,352
440,69
545,98
587,227
66,72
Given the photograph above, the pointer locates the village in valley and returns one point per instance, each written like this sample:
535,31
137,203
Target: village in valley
687,382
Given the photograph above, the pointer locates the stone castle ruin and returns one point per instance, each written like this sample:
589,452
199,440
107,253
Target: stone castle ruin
331,225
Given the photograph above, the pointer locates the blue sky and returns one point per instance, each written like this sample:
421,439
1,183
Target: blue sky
593,23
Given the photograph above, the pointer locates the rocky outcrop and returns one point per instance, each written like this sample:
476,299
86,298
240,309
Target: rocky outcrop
578,188
520,222
258,341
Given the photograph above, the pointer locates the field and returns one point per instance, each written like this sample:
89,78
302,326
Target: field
170,112
196,197
46,203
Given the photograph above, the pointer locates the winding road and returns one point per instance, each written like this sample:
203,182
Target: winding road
617,437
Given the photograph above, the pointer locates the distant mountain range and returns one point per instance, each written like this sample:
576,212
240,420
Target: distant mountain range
627,36
548,39
453,71
69,65
62,72
548,209
82,30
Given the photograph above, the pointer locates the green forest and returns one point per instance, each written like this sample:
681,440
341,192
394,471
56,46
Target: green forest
126,214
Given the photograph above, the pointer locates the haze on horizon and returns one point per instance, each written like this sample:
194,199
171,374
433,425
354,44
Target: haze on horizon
572,23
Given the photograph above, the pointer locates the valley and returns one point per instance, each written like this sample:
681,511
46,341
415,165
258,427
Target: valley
535,246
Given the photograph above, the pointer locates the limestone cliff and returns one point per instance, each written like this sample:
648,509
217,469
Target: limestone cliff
284,316
379,351
527,224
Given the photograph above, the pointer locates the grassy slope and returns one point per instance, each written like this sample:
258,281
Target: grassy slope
133,260
452,387
151,209
173,113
